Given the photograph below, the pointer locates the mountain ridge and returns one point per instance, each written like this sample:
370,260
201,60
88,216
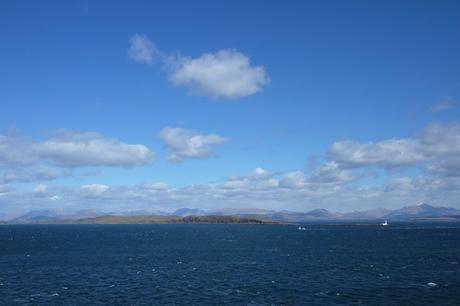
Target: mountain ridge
405,213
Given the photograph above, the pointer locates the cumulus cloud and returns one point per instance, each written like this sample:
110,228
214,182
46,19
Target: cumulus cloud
336,184
388,153
71,149
256,180
327,176
33,174
184,143
155,186
437,142
400,185
77,149
445,168
260,173
295,180
141,49
293,190
235,183
95,188
16,150
226,74
331,173
23,159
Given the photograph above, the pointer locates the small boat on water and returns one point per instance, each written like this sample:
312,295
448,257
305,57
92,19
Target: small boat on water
302,228
385,223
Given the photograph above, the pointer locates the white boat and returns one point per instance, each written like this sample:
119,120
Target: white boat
385,223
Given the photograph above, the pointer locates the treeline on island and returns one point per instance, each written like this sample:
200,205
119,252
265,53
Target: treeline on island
222,219
147,219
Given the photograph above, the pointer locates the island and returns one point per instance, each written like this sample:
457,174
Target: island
149,219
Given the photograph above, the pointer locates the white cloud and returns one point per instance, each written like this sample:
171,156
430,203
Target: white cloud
183,143
260,173
258,179
33,173
388,153
227,74
328,176
235,184
445,168
330,173
440,141
142,49
41,188
68,149
155,186
16,150
295,179
266,184
333,185
437,142
95,188
77,149
293,191
400,185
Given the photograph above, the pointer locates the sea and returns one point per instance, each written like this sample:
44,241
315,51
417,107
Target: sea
230,264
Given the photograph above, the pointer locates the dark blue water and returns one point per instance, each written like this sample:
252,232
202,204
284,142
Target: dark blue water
229,265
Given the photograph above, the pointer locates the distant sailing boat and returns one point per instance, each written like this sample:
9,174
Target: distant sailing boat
385,223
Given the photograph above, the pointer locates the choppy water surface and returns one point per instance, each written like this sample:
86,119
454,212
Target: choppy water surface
229,264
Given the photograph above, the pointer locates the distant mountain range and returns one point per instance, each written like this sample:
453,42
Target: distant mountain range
421,211
406,213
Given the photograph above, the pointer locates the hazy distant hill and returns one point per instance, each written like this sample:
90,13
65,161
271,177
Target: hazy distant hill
189,212
314,215
242,212
323,214
375,213
419,211
139,213
407,213
35,215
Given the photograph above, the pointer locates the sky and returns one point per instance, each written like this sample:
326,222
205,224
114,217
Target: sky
292,105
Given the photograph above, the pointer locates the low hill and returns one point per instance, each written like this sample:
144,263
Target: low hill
159,220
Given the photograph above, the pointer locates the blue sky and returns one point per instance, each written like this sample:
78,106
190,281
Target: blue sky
296,89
